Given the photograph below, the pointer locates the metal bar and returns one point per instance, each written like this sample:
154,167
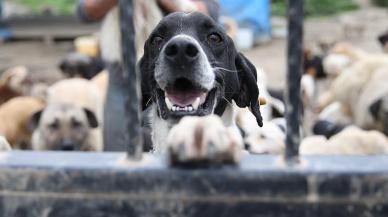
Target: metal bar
132,98
59,184
294,74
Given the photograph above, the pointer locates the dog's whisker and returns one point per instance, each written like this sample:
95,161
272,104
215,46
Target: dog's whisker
148,102
227,100
224,69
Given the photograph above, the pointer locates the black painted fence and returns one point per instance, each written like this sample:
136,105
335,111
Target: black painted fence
55,184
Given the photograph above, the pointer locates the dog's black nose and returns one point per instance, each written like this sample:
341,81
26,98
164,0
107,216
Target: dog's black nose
181,50
67,145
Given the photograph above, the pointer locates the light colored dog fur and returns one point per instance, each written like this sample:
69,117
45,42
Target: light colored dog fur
210,139
4,145
375,89
11,82
77,91
15,115
76,94
101,81
344,55
18,81
347,87
351,141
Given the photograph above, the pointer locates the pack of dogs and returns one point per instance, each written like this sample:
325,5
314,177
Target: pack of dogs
205,100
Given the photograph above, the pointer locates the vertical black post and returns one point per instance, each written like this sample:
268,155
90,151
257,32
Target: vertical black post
294,74
132,96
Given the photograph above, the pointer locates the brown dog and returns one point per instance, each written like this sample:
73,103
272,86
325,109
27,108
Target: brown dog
10,83
14,116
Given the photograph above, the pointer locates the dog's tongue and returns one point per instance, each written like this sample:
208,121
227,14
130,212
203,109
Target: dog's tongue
186,98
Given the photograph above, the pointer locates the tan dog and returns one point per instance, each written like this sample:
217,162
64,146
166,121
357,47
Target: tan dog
65,127
350,141
344,55
371,110
15,115
347,87
74,109
101,81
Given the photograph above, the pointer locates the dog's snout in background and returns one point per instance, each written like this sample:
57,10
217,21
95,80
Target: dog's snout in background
67,145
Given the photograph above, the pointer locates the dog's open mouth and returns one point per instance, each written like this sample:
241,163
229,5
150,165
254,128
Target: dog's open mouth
184,98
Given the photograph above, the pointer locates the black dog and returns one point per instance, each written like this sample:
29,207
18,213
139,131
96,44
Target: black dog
191,67
81,65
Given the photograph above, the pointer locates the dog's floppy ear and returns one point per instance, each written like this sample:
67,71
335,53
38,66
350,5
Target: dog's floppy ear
34,121
383,39
92,120
145,77
375,108
248,96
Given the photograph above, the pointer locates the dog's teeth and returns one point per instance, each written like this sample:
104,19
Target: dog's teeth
190,108
168,103
196,103
174,108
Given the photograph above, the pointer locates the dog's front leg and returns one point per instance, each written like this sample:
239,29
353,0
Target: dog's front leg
203,140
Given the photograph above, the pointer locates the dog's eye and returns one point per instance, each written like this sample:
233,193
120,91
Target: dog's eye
54,125
215,38
157,40
76,124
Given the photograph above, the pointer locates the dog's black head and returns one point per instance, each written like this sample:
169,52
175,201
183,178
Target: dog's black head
80,65
191,67
379,111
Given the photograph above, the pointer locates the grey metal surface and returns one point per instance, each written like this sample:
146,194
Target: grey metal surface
293,91
132,100
108,184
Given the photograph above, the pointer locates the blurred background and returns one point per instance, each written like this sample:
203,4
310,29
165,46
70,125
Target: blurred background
38,33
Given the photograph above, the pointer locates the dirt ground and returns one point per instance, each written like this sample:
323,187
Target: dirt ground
43,58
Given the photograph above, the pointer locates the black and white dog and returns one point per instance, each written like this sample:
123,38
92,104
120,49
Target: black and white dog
191,68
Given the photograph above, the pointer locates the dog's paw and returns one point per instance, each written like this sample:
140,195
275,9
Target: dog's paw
203,140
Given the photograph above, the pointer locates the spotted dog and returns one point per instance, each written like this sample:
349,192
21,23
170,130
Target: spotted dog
190,67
